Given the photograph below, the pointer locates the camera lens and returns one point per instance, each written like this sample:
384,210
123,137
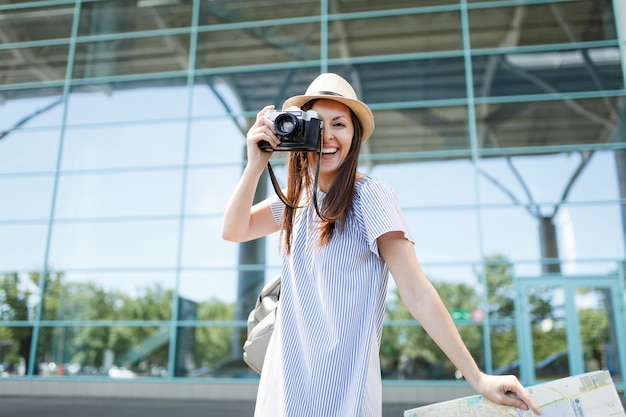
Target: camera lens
286,125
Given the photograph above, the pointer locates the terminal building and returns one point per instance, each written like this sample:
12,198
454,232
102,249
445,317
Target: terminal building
500,125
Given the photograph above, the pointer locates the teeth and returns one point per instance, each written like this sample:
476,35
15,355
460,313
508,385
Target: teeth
329,150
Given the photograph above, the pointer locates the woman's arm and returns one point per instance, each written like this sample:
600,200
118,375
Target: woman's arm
242,221
425,305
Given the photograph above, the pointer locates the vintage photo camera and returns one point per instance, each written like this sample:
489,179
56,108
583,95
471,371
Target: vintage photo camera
297,131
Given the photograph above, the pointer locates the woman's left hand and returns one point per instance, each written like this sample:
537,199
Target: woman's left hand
507,390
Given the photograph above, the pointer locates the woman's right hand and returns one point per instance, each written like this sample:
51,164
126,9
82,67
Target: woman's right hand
261,130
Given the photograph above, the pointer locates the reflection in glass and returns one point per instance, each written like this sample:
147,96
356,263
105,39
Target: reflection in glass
25,151
139,101
545,123
22,246
402,34
14,350
565,22
216,141
152,193
44,110
407,352
131,56
35,206
207,352
598,334
36,23
108,296
549,331
206,287
115,352
203,247
234,11
402,132
454,178
594,69
209,188
270,45
123,146
445,235
104,17
110,244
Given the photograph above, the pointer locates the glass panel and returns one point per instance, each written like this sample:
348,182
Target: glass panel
505,350
108,296
205,288
207,352
203,247
566,22
499,225
266,45
132,56
154,193
115,352
24,151
403,34
129,102
597,327
521,179
445,235
589,232
233,11
214,95
98,18
34,64
22,246
347,6
548,72
401,133
19,295
14,351
109,245
430,183
44,109
36,206
415,80
36,23
123,146
208,189
549,339
545,123
216,141
407,352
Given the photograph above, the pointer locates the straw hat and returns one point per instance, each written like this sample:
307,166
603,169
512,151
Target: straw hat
332,87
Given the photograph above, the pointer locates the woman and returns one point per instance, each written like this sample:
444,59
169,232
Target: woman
323,359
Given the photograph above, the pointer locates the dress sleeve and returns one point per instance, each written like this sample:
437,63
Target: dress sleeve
278,209
380,212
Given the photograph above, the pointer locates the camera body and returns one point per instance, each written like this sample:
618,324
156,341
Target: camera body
297,130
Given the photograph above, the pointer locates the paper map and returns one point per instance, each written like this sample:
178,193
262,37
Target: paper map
592,394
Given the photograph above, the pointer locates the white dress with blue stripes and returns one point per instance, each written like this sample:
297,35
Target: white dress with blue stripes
323,359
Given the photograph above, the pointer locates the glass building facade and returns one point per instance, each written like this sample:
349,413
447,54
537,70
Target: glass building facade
501,127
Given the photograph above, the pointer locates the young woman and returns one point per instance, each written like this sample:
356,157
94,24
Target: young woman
323,359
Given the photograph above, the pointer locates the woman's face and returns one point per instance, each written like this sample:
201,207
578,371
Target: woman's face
338,132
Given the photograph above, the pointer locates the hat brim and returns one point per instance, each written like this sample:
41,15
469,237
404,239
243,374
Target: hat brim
360,109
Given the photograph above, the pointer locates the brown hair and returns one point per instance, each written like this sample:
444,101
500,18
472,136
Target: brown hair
338,201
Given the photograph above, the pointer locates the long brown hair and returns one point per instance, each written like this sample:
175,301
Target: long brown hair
338,201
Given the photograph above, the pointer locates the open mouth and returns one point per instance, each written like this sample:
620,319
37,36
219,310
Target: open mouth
329,151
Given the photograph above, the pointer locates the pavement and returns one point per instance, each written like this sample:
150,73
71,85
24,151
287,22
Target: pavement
107,407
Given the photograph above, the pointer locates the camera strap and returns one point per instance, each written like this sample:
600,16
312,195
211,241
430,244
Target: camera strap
282,196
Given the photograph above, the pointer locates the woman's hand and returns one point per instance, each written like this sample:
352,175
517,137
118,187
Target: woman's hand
261,130
507,390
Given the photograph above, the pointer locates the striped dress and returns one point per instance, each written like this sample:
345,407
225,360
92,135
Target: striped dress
323,359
